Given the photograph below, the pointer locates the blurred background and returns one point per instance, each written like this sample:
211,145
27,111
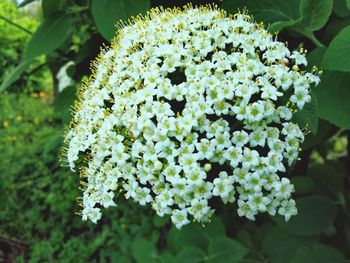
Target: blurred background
45,52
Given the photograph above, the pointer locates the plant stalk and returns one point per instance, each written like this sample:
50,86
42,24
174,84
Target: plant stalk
15,25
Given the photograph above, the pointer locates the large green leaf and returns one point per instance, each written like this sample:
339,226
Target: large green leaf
308,116
336,57
340,8
49,36
280,246
302,184
214,228
106,13
348,4
64,101
315,13
222,249
190,254
317,254
15,74
144,251
315,57
279,14
332,93
333,98
329,178
316,214
190,235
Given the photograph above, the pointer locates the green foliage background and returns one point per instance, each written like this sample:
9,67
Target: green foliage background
45,51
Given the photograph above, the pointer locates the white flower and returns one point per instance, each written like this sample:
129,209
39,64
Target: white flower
258,202
288,209
299,58
270,92
143,196
240,138
257,137
187,106
165,199
223,186
234,155
199,209
245,210
300,96
94,214
179,218
283,188
250,158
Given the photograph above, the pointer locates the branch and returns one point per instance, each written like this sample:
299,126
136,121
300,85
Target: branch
16,25
314,40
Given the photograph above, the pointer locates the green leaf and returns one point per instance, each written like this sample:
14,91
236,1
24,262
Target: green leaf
303,184
336,57
328,177
348,4
222,249
64,101
15,74
315,57
190,235
333,98
106,13
279,14
214,228
316,214
332,93
49,36
280,246
308,116
190,254
144,251
340,8
317,254
167,257
315,13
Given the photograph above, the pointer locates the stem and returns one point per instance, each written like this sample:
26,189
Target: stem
314,40
15,24
163,235
348,159
77,9
37,68
54,68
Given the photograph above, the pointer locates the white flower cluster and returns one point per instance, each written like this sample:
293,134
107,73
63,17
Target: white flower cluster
189,106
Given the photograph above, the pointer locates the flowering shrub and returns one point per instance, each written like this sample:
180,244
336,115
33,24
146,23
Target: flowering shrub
187,106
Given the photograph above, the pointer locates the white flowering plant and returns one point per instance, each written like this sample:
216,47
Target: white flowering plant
186,107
